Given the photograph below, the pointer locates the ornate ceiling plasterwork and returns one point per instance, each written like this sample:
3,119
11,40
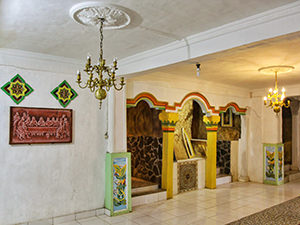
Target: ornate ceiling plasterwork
89,13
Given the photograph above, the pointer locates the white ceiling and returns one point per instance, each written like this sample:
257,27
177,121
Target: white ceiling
45,26
238,66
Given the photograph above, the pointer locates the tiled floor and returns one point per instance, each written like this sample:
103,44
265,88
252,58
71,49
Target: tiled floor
227,203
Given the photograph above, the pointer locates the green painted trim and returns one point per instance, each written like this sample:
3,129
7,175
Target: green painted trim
211,131
168,131
108,201
168,123
211,124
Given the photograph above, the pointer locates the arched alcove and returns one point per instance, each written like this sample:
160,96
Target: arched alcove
144,141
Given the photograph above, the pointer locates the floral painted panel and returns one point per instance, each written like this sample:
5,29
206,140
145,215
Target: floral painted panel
280,163
120,184
270,163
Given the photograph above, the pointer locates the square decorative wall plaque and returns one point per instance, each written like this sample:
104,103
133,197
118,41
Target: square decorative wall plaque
64,93
17,89
187,173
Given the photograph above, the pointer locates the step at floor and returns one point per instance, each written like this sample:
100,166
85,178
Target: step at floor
223,179
144,192
149,197
140,186
291,175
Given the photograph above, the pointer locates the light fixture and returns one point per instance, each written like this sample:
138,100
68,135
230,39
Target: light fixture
275,100
198,69
104,16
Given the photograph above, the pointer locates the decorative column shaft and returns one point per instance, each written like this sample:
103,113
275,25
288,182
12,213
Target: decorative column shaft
168,122
211,160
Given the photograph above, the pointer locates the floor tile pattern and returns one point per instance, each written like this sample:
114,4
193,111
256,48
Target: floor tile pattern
225,204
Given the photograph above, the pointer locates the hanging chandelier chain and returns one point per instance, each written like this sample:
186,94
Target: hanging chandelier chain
101,38
276,80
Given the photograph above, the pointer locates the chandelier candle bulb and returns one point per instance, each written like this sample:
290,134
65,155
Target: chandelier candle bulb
283,90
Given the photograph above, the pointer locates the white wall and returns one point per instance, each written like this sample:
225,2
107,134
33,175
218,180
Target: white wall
175,90
45,180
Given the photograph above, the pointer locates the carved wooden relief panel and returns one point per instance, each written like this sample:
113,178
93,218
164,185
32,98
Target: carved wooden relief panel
40,125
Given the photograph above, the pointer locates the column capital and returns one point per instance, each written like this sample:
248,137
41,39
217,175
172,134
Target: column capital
211,122
168,121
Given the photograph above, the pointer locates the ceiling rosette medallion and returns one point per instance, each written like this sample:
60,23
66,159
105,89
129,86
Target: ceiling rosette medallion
88,13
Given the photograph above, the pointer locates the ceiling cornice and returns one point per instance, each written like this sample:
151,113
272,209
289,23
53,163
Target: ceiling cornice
269,24
39,62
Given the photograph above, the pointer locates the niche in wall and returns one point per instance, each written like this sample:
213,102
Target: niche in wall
144,141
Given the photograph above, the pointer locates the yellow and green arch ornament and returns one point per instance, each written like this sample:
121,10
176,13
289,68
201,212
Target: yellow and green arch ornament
17,89
64,94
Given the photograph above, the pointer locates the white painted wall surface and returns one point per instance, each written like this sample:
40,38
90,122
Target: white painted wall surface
46,180
175,90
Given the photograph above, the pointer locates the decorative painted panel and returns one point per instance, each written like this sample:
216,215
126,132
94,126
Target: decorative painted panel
273,164
280,163
40,125
17,89
270,163
64,94
187,173
118,183
120,187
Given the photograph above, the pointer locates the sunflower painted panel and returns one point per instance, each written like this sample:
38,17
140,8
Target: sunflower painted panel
270,163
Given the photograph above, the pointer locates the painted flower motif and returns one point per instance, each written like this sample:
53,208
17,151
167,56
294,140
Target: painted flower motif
64,93
17,89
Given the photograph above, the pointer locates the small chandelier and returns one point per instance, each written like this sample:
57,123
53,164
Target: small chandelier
275,100
100,84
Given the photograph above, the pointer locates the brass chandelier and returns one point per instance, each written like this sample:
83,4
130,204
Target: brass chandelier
105,75
275,100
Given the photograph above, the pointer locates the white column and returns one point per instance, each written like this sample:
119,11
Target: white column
243,150
120,125
110,121
295,134
117,132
